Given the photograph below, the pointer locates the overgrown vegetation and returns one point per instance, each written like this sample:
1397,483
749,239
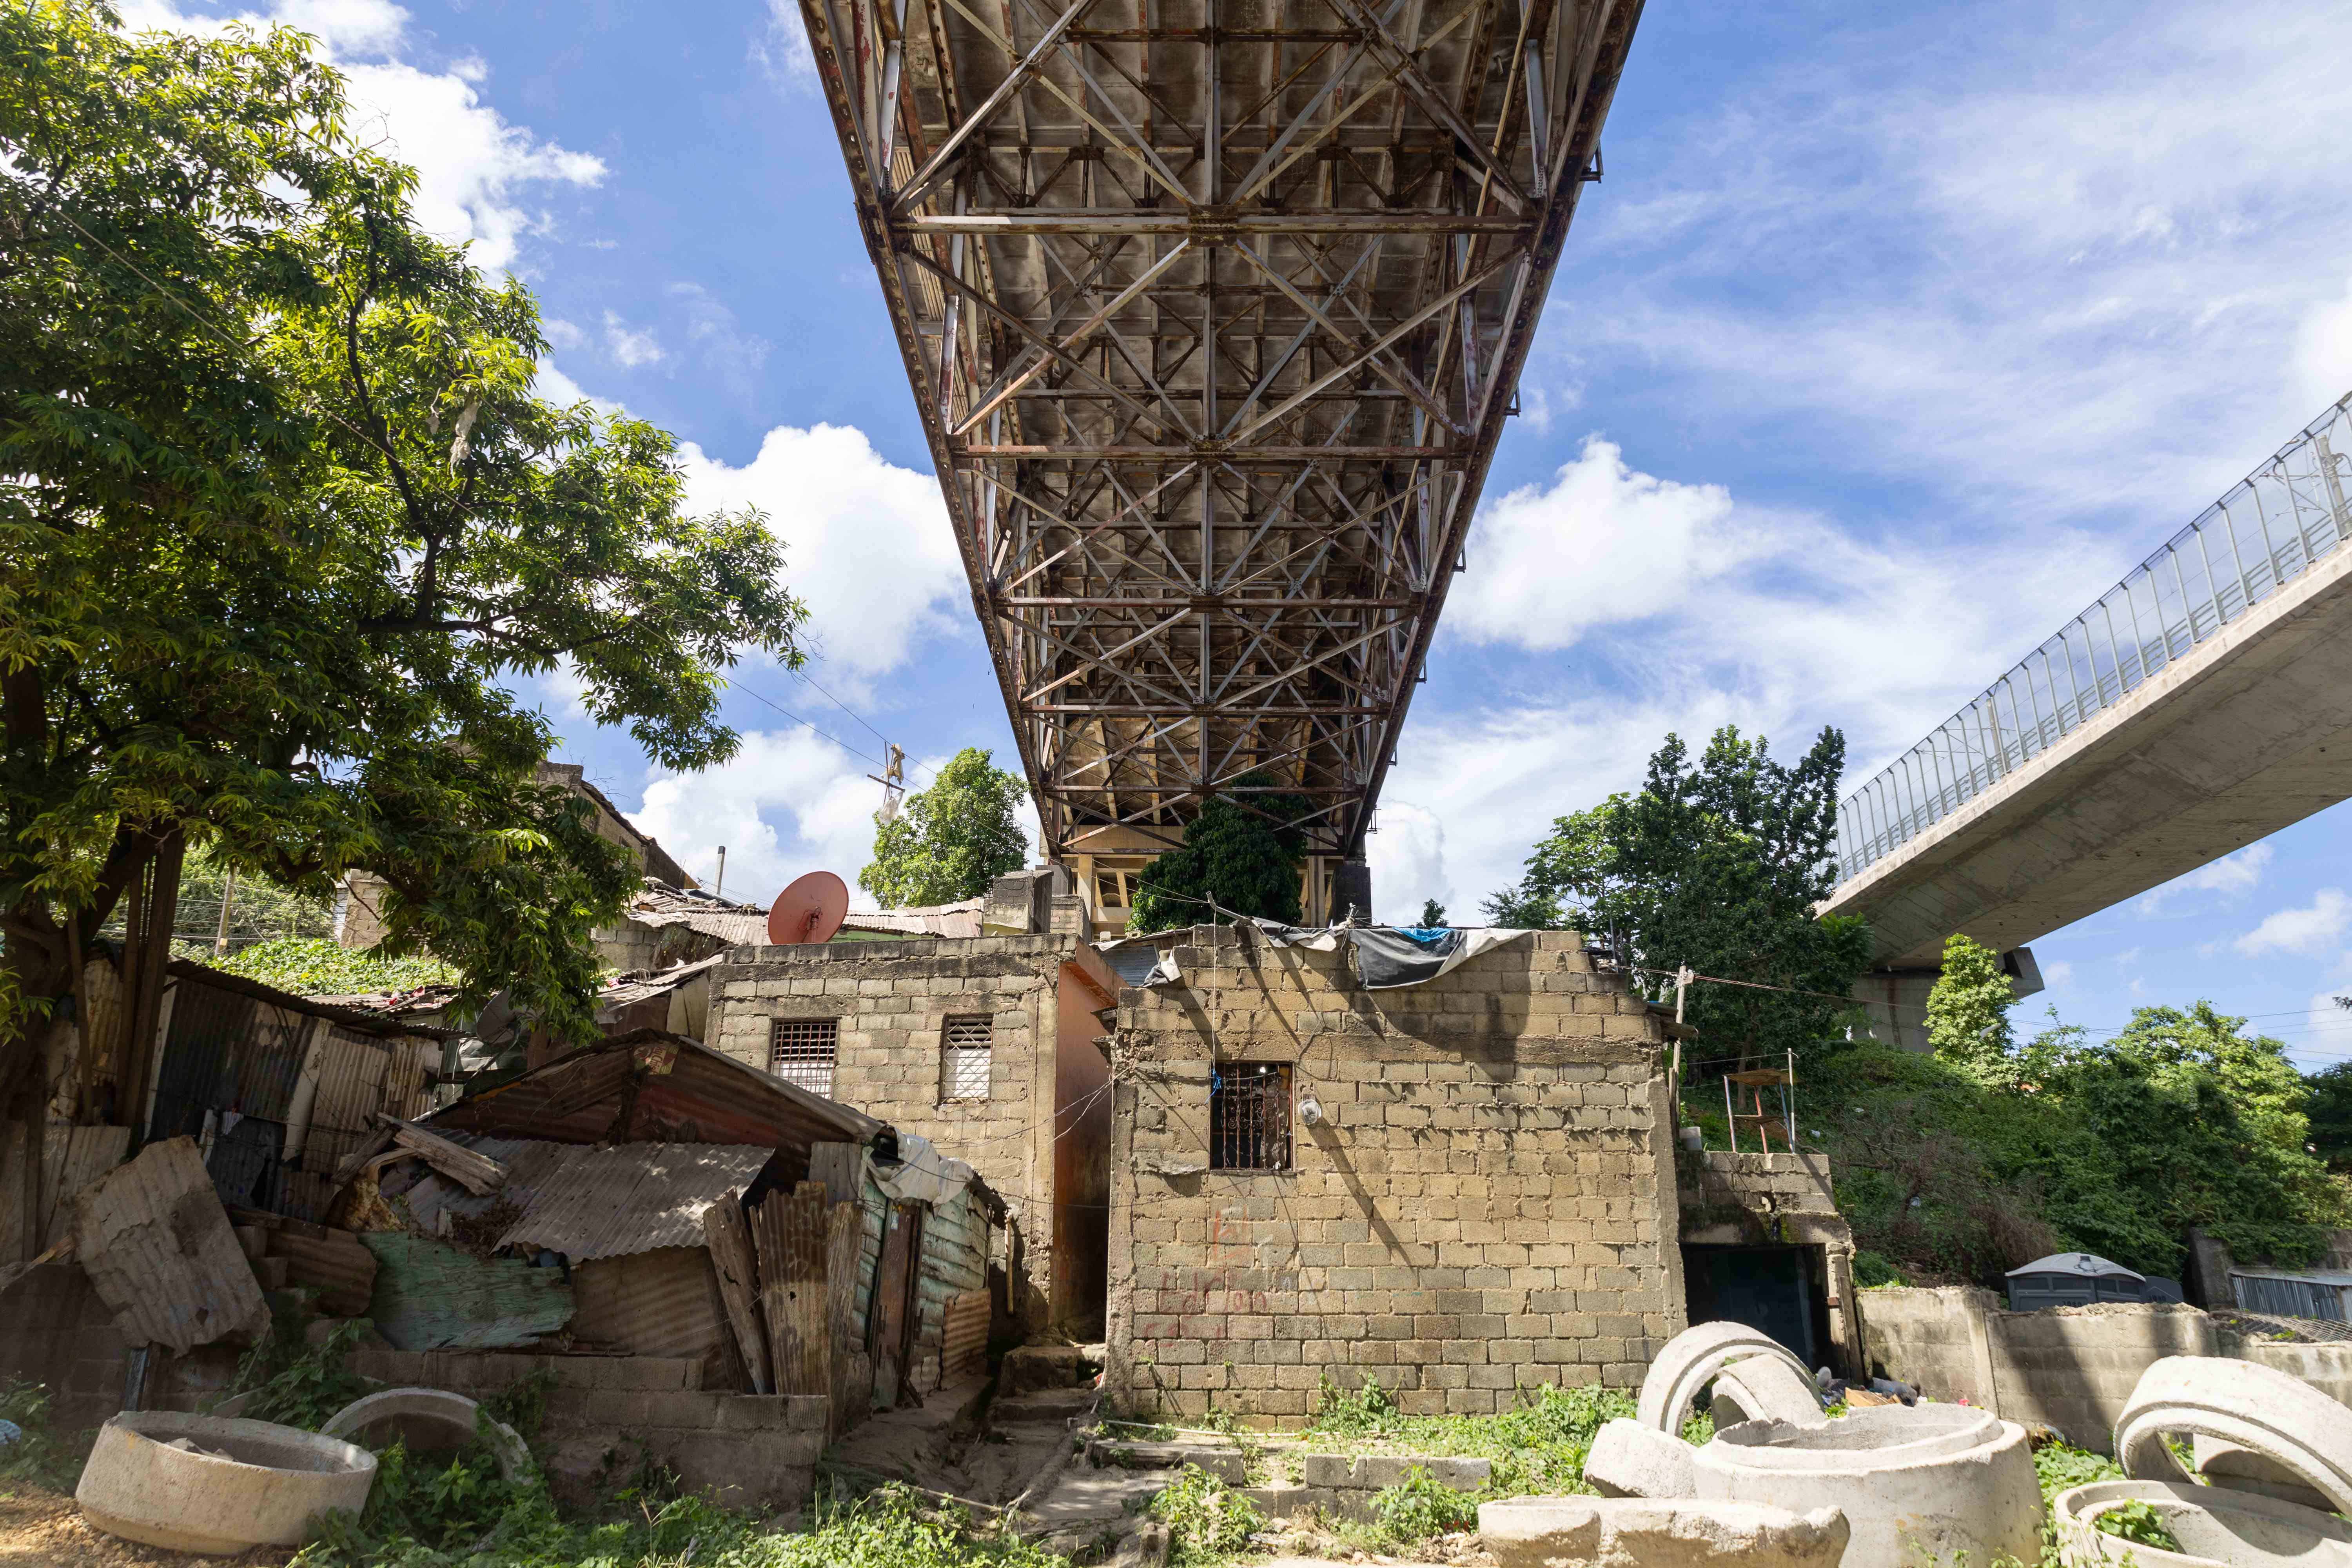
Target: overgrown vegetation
1992,1152
1237,853
1421,1506
319,966
40,1455
297,1383
1716,864
1208,1522
954,838
1536,1445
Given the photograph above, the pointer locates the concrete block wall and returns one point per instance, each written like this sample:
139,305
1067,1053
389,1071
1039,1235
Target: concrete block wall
1486,1204
893,1000
2067,1367
55,1330
608,1415
1732,1199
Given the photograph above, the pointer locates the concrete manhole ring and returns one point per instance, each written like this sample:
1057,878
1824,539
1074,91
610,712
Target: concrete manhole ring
1544,1532
2217,1527
432,1418
259,1484
1692,1360
2270,1413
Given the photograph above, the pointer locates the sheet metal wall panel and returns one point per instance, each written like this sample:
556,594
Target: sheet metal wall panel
664,1302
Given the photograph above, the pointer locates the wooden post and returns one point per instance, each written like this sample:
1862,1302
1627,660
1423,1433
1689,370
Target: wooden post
730,1240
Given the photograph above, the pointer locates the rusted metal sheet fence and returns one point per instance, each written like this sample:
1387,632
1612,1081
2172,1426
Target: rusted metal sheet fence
791,1233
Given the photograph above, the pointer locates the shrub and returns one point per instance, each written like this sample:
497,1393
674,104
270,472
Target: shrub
1207,1521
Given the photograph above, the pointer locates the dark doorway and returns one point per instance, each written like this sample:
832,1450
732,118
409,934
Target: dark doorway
1780,1289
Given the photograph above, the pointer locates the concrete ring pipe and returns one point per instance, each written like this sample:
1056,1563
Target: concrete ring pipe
1692,1360
2217,1527
215,1486
432,1420
2258,1408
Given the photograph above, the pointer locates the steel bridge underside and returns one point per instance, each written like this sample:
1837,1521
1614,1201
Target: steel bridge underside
1214,311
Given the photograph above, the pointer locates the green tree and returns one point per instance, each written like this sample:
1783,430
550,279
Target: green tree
2330,1110
1968,1009
1716,865
282,520
1433,914
1238,854
954,838
1570,869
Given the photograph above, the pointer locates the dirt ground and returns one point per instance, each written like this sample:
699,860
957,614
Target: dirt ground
42,1529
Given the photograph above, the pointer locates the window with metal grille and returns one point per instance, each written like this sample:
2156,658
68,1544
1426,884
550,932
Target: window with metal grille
1249,1117
964,1057
801,1051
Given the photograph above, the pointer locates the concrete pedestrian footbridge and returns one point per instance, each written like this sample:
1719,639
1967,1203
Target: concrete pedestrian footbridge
2197,706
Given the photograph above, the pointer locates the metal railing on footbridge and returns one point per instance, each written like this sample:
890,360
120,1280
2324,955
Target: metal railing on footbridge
2266,531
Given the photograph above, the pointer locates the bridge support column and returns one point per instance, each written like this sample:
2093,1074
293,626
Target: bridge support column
1896,999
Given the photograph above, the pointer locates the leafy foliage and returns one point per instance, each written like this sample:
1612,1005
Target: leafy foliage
295,1383
1968,1008
1237,853
2137,1522
2057,1468
1962,1170
1536,1445
1433,914
1208,1522
954,838
1716,865
282,519
2329,1110
316,966
1421,1507
41,1455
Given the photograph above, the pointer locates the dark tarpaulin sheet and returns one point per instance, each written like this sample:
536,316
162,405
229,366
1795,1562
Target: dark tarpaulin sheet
1391,956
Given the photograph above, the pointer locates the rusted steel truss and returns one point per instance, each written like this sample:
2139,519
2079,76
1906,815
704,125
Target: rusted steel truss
1214,311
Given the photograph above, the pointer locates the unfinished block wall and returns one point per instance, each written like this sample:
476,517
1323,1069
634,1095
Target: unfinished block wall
1487,1202
1732,1199
893,1001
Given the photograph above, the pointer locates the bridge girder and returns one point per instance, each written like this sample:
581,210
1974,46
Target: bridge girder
1214,311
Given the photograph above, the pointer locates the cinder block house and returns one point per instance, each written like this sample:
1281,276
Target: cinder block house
989,1047
1460,1187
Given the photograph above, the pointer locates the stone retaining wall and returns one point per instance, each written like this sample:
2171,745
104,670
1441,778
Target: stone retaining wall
607,1417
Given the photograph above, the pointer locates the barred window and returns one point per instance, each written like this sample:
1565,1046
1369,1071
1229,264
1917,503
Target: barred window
801,1051
1249,1117
964,1058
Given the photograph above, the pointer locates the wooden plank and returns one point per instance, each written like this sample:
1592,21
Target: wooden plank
71,1159
160,1253
729,1241
789,1233
477,1173
852,1382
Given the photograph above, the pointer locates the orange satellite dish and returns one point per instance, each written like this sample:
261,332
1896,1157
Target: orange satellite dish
810,910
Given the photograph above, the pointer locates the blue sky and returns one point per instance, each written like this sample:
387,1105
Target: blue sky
1894,336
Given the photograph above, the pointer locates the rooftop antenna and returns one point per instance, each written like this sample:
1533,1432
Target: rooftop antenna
809,910
719,883
893,779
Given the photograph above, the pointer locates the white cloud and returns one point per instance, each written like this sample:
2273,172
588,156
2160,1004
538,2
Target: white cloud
2002,256
2307,931
867,544
2232,876
1601,544
2055,973
477,174
561,389
562,334
1408,863
787,802
2323,350
628,346
725,349
782,47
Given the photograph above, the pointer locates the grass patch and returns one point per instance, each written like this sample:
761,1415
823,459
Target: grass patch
1208,1522
1538,1446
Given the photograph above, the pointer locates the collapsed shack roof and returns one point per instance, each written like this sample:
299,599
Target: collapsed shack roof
650,1085
585,1202
335,1009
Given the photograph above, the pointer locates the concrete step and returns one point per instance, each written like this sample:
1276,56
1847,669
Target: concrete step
1226,1463
1085,1495
1045,1406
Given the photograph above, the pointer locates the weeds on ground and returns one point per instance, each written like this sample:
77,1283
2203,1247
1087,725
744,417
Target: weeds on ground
297,1383
1421,1507
41,1457
892,1526
2137,1523
1208,1522
1536,1445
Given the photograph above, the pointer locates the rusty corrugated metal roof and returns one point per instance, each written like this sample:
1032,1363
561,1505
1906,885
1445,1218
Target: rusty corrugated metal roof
650,1085
632,1197
737,924
929,919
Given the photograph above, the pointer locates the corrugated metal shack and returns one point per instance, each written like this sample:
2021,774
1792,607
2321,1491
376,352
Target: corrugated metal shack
277,1089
